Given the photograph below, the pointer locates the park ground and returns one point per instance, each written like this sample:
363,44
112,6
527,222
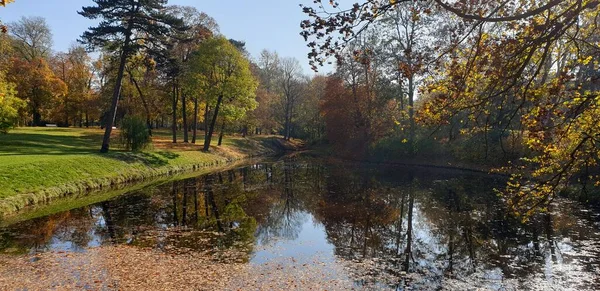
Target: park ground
39,164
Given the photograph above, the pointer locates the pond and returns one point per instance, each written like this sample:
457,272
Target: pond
372,227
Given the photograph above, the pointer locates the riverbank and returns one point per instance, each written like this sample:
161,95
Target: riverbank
442,162
40,164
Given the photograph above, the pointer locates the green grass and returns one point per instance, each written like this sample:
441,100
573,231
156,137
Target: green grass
84,199
38,164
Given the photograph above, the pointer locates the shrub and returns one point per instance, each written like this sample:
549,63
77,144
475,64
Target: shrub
134,133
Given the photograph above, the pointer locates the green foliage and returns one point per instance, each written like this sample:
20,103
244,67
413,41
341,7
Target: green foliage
134,133
121,19
220,72
218,68
9,105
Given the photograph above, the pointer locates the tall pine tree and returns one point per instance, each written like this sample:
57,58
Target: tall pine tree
127,26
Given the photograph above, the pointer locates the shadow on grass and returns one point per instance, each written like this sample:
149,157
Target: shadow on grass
147,159
242,145
168,155
152,159
86,143
16,144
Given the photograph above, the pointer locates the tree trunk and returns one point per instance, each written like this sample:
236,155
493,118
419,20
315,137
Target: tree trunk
66,111
146,108
212,124
222,132
37,118
286,135
207,109
184,204
174,194
116,93
411,113
409,234
174,125
184,117
401,95
195,125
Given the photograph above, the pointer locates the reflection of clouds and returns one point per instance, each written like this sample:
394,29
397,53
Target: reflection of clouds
283,221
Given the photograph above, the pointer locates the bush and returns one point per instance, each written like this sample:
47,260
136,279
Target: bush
134,133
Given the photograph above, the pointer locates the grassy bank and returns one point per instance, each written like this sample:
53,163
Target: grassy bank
40,164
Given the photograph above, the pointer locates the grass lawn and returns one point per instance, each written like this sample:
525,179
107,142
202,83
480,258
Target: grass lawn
34,159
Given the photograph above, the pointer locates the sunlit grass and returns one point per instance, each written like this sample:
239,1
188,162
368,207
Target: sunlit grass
32,159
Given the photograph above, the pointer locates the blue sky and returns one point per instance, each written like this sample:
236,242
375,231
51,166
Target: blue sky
270,24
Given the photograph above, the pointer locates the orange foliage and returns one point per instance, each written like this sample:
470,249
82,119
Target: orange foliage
36,83
355,118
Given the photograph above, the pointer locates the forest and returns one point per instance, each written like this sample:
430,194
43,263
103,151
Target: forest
504,86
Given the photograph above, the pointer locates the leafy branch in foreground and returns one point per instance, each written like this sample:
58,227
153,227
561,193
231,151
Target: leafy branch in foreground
524,70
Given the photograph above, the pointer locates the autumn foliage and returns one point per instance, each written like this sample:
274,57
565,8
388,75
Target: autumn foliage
36,83
355,119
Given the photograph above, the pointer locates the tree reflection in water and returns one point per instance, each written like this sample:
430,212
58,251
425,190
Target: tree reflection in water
390,227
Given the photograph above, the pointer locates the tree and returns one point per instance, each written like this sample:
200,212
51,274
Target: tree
268,94
354,117
6,50
223,75
264,115
32,38
234,112
183,43
9,105
75,69
290,86
409,42
269,63
140,67
310,123
526,83
28,67
240,45
129,27
36,83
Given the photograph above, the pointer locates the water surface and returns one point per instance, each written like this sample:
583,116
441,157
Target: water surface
392,227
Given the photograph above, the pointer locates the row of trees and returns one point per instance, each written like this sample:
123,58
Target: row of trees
167,65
